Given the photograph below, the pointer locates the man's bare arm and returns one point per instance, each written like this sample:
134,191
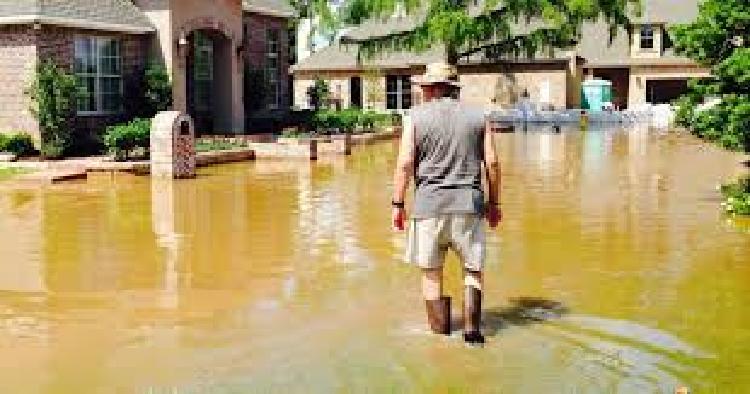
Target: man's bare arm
404,165
491,166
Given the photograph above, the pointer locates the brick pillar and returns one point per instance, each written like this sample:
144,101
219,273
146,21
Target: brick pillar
173,145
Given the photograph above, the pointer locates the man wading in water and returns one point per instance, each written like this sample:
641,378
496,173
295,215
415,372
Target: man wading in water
445,150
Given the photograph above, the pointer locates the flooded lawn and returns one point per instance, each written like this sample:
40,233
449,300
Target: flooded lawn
614,271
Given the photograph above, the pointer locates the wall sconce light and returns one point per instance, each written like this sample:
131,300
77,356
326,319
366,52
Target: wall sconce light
182,41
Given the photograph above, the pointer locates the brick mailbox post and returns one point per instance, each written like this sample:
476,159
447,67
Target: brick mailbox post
172,145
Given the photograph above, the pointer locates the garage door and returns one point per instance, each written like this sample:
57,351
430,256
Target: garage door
662,91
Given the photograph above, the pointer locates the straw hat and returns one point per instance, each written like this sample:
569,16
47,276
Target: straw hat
438,73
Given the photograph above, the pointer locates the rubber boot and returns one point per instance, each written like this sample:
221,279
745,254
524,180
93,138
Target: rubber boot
439,315
473,317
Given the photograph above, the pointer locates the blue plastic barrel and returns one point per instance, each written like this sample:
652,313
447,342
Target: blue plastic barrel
595,93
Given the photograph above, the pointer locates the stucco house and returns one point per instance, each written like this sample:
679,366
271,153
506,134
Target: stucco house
639,62
204,44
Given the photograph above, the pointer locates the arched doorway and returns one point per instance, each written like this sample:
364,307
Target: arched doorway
209,81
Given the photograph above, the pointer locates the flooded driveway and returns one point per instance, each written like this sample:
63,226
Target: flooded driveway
614,271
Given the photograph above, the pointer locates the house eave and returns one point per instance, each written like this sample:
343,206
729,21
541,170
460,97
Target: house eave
269,12
75,23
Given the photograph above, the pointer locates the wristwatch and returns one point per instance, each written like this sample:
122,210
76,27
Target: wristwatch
400,205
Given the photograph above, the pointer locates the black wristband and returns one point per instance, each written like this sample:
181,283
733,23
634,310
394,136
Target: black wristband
400,205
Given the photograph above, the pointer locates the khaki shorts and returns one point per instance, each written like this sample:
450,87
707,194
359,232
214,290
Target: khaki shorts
430,239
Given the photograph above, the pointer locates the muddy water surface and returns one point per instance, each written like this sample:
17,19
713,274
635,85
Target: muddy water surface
613,272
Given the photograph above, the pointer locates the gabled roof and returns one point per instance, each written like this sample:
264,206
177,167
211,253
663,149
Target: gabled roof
108,15
277,8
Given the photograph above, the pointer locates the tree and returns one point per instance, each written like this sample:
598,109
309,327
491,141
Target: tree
158,88
318,94
719,39
721,27
53,93
464,27
148,91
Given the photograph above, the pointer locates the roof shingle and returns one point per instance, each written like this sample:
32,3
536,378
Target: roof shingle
115,15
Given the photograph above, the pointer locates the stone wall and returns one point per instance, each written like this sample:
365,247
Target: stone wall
503,85
18,54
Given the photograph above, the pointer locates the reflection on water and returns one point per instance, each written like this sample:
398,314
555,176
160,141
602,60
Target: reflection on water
613,272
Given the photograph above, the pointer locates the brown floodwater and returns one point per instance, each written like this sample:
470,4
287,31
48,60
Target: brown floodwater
614,272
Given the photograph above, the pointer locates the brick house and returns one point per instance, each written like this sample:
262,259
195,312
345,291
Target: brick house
639,62
204,44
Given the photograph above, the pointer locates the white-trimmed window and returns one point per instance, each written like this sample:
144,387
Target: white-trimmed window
273,68
647,37
98,69
203,72
398,92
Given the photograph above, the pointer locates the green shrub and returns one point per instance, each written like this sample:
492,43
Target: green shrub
158,92
737,197
209,145
727,123
148,91
54,93
351,120
123,139
20,144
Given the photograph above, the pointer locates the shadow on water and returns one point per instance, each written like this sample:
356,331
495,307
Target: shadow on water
522,311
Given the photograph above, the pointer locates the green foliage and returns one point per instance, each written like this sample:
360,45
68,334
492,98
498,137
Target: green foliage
318,94
53,93
21,144
294,132
737,197
148,91
462,27
123,139
714,35
214,144
718,38
352,120
256,89
733,73
158,92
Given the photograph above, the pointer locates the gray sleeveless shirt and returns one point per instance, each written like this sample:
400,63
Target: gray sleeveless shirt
449,138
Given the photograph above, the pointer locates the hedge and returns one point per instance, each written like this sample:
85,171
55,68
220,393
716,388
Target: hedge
351,121
123,139
21,144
